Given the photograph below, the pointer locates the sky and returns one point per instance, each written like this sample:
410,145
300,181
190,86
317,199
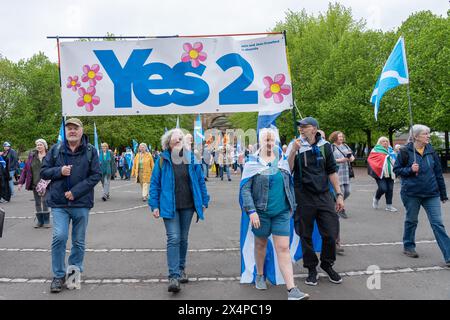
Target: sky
25,24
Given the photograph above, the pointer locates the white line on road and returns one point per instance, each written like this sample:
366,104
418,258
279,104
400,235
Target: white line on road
115,250
222,279
93,212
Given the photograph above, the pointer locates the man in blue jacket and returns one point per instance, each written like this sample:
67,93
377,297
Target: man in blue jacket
74,170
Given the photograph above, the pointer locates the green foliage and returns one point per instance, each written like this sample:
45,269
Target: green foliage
334,62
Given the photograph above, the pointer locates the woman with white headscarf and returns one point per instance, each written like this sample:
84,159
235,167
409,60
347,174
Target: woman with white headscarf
267,197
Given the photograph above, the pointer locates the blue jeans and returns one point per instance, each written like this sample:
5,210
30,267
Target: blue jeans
11,182
433,209
61,221
177,231
225,168
205,170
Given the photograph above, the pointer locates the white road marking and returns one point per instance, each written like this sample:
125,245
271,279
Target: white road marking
126,250
93,212
223,279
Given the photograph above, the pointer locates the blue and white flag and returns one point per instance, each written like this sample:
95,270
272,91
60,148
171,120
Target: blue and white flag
394,73
96,139
267,118
135,146
247,239
62,132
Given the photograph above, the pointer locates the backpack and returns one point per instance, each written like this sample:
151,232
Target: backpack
405,156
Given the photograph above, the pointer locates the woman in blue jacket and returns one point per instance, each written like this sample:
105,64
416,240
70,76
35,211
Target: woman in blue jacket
422,184
177,189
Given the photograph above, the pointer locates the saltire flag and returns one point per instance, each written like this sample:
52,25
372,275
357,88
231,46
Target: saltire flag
135,146
129,157
247,239
198,131
381,161
394,73
62,131
198,139
267,119
96,139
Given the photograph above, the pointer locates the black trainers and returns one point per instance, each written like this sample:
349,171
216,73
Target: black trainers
411,253
104,198
312,278
174,285
57,284
343,214
183,277
333,276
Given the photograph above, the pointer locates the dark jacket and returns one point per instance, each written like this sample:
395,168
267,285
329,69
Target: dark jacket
429,182
27,175
315,170
84,176
12,159
5,192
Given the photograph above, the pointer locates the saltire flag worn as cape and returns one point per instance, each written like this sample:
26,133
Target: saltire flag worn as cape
272,272
380,160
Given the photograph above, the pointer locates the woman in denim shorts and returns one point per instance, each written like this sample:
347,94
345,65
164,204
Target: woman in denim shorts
267,195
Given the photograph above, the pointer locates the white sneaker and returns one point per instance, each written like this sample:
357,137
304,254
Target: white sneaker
391,208
260,282
73,278
375,203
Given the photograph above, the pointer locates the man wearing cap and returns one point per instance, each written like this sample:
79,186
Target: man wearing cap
74,170
312,162
10,156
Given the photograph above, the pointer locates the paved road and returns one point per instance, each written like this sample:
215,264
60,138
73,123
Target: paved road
126,256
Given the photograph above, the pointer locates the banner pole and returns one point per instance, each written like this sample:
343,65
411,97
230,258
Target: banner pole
294,116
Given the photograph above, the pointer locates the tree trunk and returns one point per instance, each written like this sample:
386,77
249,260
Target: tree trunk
391,132
369,139
447,151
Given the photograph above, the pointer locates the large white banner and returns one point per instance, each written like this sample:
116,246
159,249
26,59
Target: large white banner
175,76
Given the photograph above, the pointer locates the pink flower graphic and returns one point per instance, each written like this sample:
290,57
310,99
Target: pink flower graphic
87,98
276,88
73,83
193,54
91,74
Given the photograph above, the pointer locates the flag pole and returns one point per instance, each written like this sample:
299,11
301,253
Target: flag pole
409,102
292,86
411,123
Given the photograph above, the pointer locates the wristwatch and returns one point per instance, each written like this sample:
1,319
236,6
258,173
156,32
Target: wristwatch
339,194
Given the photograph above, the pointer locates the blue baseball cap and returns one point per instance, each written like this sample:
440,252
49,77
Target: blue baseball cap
308,121
6,144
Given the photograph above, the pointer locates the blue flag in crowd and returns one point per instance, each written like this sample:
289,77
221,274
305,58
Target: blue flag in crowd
267,118
135,146
394,73
96,139
62,132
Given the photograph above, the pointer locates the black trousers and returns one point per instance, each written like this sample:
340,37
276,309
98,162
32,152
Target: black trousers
317,207
386,187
